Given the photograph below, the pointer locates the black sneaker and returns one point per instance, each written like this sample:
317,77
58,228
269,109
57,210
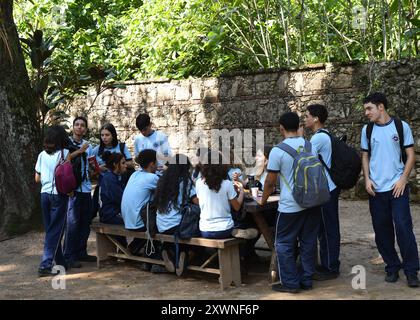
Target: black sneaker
306,287
413,281
45,272
158,269
74,264
88,258
281,288
392,276
322,276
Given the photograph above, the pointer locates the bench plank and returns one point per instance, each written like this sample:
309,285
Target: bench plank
203,242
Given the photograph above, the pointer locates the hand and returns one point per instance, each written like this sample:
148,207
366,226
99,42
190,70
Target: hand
235,176
84,147
370,187
399,187
238,186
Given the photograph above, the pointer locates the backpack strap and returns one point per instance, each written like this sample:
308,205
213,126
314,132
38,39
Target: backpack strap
288,149
400,131
369,130
308,146
122,148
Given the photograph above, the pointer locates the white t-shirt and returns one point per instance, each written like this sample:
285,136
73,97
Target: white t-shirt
45,166
157,141
215,207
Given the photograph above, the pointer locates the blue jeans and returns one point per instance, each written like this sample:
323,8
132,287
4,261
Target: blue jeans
54,208
295,227
78,226
329,234
387,211
224,234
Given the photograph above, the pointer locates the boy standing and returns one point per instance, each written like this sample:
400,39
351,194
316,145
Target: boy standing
294,223
329,230
386,178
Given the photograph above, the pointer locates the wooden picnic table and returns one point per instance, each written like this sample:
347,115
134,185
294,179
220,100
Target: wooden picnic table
256,210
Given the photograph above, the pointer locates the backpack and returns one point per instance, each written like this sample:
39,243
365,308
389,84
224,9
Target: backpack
400,131
78,164
189,226
310,182
64,179
345,163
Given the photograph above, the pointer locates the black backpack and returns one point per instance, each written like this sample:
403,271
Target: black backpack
78,163
346,163
400,131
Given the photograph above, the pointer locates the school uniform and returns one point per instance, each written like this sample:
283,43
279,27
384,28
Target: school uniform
391,216
329,230
215,218
54,208
116,149
157,141
137,193
79,214
172,218
294,223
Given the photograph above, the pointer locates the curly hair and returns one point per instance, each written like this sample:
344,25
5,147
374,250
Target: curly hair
214,173
167,191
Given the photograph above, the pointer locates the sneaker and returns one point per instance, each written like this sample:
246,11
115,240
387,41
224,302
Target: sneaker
392,276
45,272
249,233
88,258
158,269
323,276
281,288
145,266
169,265
181,263
306,286
413,281
74,264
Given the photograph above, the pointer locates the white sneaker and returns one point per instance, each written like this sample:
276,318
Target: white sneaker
169,265
249,233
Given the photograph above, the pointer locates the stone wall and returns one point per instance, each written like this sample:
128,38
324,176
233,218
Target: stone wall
256,101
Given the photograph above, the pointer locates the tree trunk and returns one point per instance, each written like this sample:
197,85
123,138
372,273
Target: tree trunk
19,134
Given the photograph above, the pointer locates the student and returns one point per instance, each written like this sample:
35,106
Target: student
112,188
260,168
216,196
138,192
386,177
151,139
80,203
236,169
294,223
53,204
174,189
109,142
329,230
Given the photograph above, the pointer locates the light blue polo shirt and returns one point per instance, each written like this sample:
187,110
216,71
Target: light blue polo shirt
86,186
172,218
136,194
45,166
115,149
321,144
281,162
385,165
157,141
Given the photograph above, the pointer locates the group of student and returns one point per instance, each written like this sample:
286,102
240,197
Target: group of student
163,180
169,181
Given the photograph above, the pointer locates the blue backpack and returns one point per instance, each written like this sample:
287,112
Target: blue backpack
310,184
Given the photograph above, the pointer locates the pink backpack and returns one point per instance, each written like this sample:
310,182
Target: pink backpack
65,181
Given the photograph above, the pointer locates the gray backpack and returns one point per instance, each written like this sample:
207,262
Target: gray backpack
310,182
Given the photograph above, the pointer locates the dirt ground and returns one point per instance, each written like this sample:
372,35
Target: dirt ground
19,258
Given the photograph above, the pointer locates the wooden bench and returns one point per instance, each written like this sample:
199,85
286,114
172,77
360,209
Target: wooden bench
227,251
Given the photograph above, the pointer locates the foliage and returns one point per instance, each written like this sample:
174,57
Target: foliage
182,38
